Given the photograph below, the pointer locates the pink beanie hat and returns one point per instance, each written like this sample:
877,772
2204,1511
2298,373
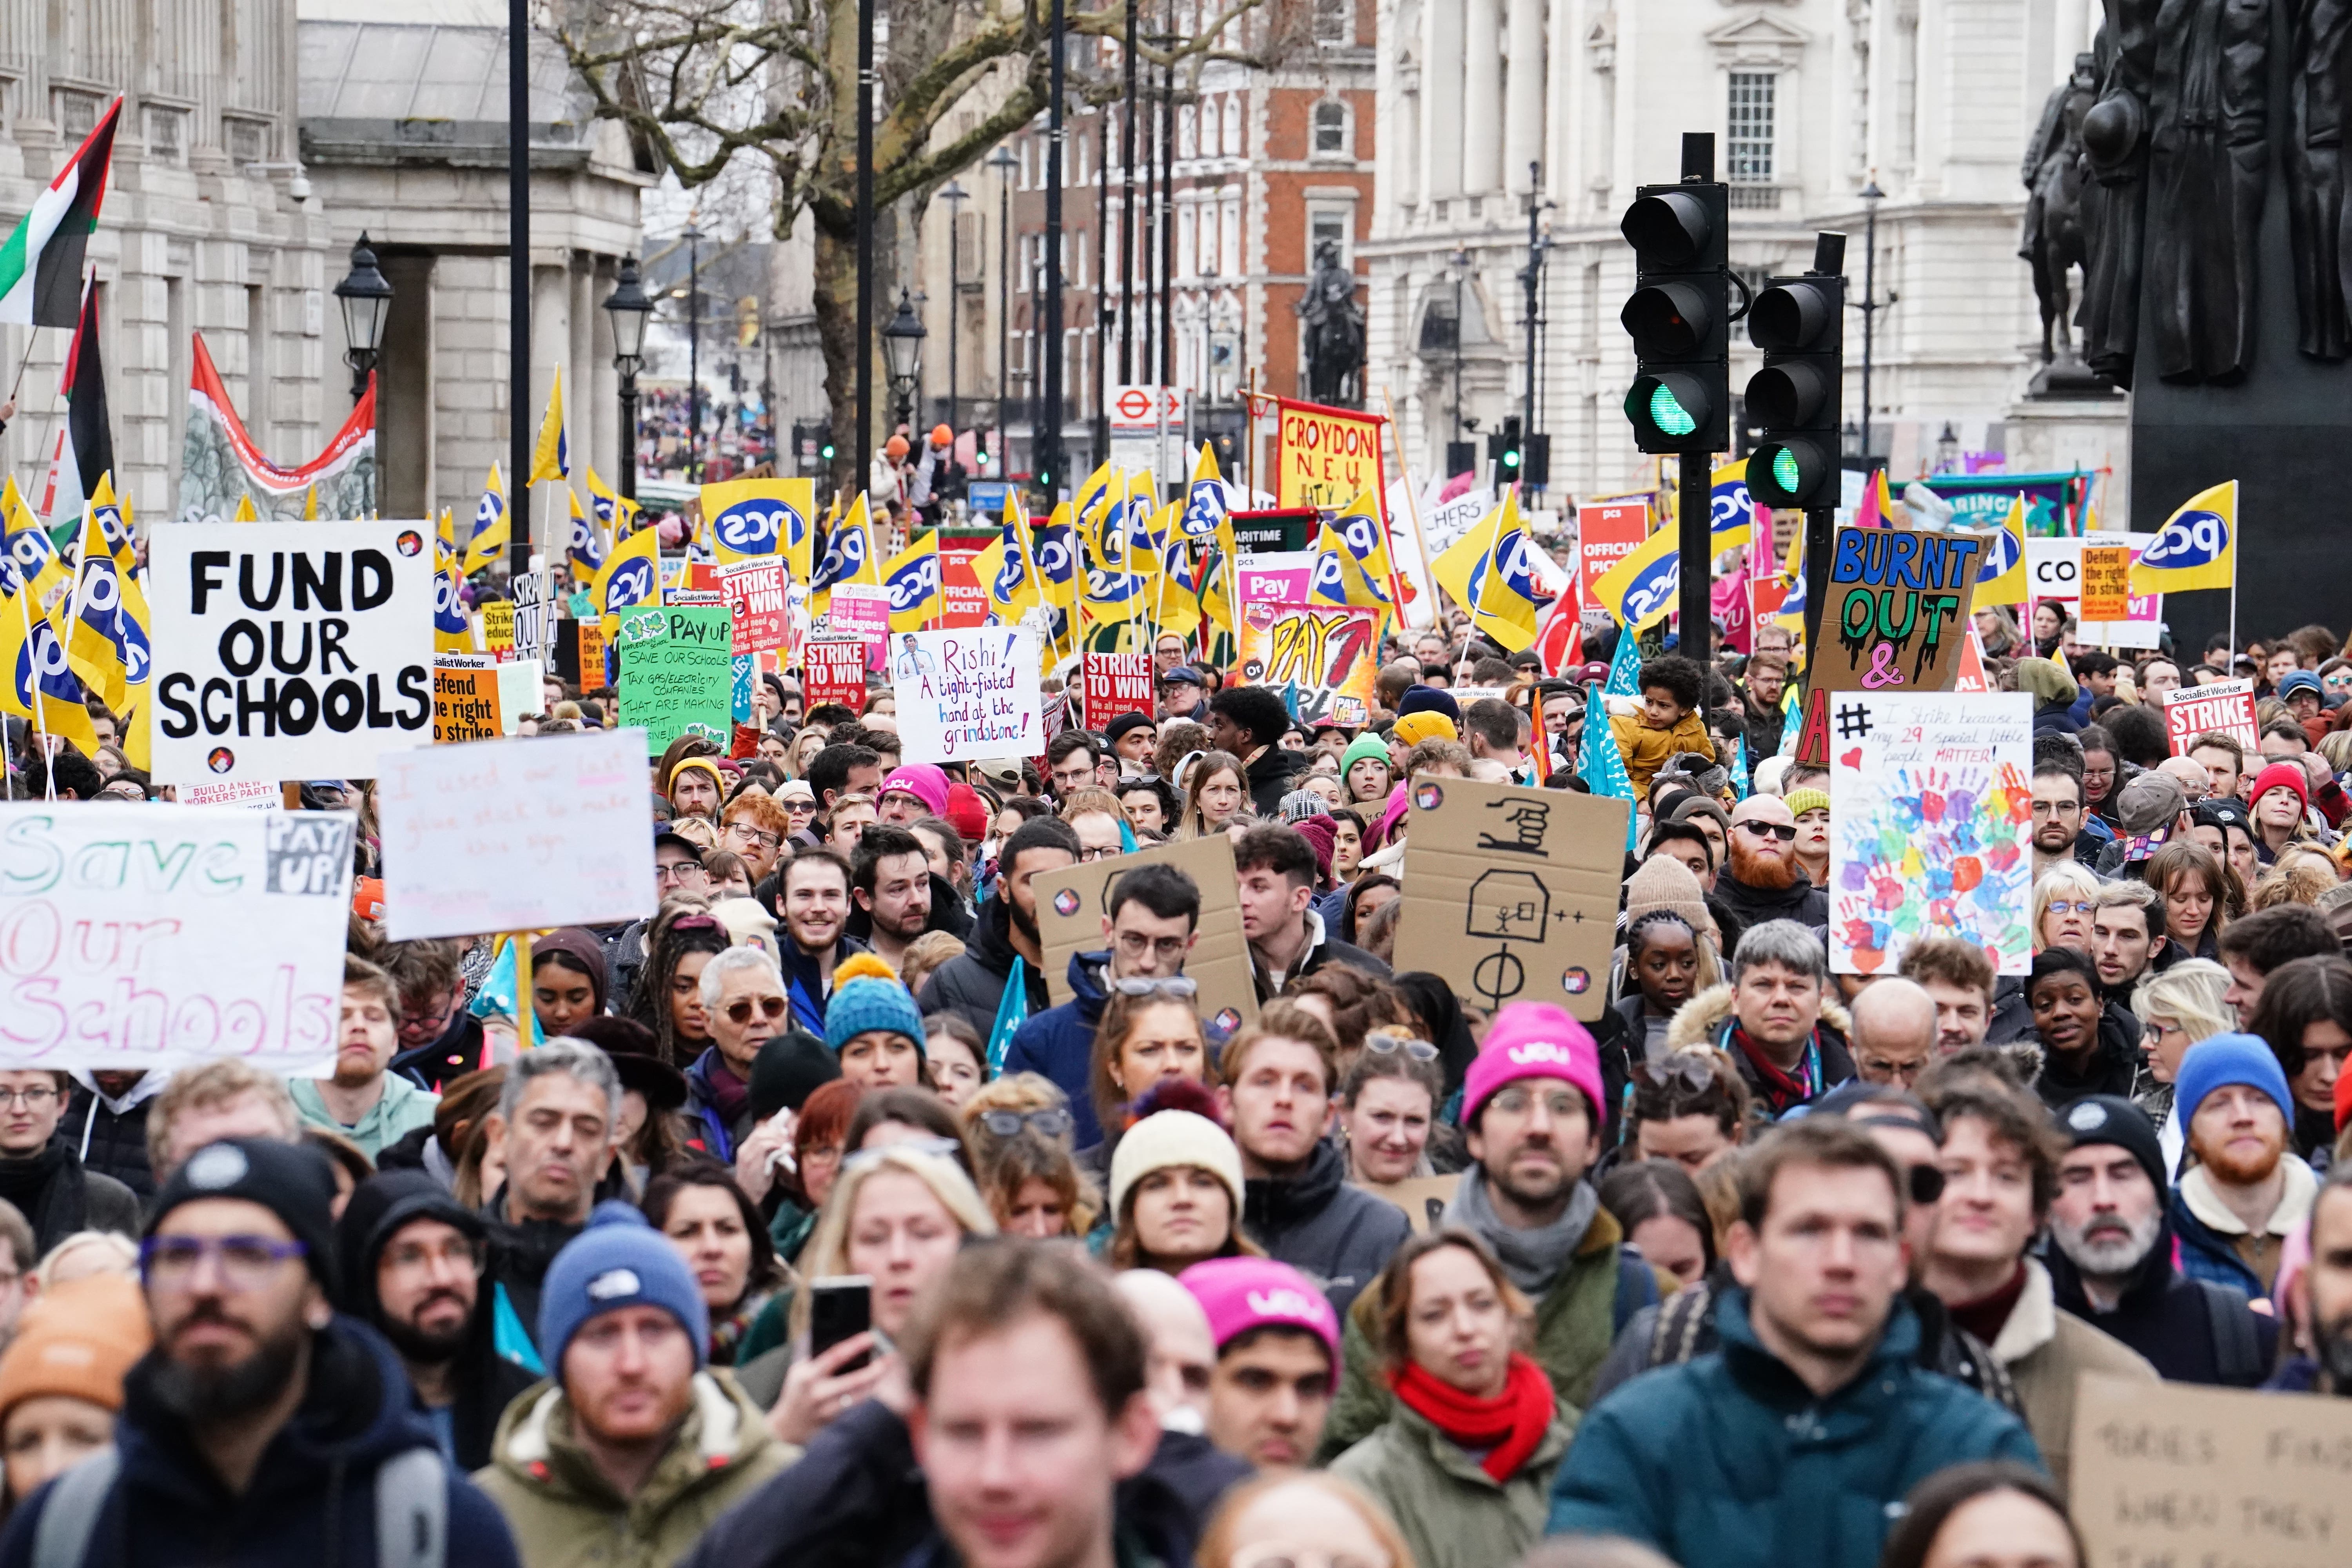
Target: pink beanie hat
1240,1294
1535,1039
921,780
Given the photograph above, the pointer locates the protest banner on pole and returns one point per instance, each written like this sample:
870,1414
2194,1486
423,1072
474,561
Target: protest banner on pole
1607,533
139,938
518,835
863,610
533,613
2141,626
1931,812
754,592
966,595
967,693
1510,894
1330,653
1071,905
287,651
499,625
2226,706
593,676
466,698
1897,611
2106,583
676,676
2169,1473
1116,683
1325,457
833,669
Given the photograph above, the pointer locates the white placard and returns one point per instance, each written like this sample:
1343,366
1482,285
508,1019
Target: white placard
2054,568
288,650
521,835
968,693
131,937
531,615
254,794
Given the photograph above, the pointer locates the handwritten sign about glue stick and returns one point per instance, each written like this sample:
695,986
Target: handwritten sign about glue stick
131,937
968,693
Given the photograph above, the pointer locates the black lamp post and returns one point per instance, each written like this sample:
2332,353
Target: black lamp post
365,299
1002,161
693,237
955,195
902,356
628,309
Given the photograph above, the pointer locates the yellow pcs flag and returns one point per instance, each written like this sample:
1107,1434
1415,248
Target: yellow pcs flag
752,518
2196,548
490,537
1641,589
1008,566
913,578
35,681
1488,573
552,459
2002,579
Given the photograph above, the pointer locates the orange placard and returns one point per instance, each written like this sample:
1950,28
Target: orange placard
2106,583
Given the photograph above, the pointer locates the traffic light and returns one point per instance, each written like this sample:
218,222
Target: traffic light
980,449
1679,315
1504,448
1799,323
1535,471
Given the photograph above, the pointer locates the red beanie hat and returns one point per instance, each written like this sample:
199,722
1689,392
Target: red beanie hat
1320,833
2282,775
967,813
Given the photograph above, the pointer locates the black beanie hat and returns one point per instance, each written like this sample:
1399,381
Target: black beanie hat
2111,1119
293,1181
788,1069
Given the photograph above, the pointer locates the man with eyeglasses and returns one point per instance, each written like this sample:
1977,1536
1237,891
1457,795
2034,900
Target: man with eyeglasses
755,826
1075,762
1533,1110
410,1259
1153,921
678,868
1799,1440
744,1000
364,1101
1759,879
262,1427
439,1039
1894,1032
43,1175
2057,814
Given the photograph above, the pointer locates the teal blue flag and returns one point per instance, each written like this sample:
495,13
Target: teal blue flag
1624,668
1603,765
1739,768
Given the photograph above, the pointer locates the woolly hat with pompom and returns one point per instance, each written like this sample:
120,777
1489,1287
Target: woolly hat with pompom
866,995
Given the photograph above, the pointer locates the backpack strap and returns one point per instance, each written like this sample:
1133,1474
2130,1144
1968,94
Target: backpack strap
412,1511
71,1516
2237,1356
1683,1319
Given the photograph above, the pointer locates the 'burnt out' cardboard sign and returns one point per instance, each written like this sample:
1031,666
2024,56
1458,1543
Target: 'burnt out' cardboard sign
1071,906
1896,612
1511,893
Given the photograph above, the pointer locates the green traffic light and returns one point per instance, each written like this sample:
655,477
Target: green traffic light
828,454
1667,413
1785,471
1510,459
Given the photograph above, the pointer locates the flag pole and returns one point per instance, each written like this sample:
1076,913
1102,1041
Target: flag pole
2234,577
1412,508
40,708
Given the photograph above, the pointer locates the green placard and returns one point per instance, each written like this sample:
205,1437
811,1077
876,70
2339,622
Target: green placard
677,675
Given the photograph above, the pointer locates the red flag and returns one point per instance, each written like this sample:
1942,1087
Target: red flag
1560,632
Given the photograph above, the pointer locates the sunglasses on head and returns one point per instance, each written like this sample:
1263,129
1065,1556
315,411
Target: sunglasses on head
771,1008
1181,986
1389,1045
1050,1122
1781,831
695,923
1693,1073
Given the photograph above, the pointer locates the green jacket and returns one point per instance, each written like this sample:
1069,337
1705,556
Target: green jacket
564,1514
1730,1461
401,1109
1453,1513
1576,1322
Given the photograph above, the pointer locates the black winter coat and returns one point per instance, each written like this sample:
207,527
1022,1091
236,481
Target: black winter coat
972,984
2170,1318
1337,1236
111,1144
1800,901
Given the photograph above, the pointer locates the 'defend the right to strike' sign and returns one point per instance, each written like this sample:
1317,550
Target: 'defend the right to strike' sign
288,650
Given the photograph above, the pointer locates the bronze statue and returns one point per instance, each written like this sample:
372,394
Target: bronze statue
2321,30
2115,198
2052,242
1335,332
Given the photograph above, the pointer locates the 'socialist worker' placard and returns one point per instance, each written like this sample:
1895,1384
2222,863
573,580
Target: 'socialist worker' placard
1511,893
290,650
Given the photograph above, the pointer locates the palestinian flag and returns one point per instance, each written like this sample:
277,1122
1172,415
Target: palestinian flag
41,263
85,449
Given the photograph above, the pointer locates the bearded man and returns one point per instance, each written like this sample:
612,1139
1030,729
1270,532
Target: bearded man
1760,880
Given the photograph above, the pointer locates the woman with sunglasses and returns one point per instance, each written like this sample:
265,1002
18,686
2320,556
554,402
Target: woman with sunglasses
1464,1464
1215,791
2064,898
1388,1104
1149,1031
668,998
798,800
898,1215
717,1229
874,1028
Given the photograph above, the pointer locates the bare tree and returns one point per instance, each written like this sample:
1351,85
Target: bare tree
706,82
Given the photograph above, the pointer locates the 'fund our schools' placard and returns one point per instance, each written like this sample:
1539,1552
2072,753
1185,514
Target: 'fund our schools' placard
968,693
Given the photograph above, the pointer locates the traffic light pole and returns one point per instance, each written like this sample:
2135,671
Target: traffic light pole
1694,504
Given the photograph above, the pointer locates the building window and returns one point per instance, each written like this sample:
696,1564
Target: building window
245,141
1750,125
1233,125
1335,21
1229,238
1330,224
167,134
76,112
1330,128
1186,145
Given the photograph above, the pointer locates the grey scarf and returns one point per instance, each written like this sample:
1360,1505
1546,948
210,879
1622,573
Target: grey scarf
1532,1258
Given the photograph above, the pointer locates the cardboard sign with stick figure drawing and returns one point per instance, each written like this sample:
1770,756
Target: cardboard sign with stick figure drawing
1511,893
1896,612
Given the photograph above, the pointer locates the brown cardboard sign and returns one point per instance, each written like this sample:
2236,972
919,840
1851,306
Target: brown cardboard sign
1071,906
1423,1198
1511,894
1896,612
2169,1473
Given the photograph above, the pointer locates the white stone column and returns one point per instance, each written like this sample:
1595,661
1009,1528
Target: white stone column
1523,105
1482,97
1441,101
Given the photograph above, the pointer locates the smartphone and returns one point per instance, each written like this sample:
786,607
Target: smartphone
841,1307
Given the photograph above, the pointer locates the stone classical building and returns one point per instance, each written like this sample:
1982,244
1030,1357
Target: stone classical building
1485,104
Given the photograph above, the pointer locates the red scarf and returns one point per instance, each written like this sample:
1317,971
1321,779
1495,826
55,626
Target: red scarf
1509,1425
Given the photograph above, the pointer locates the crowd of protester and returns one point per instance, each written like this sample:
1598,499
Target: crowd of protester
810,1228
